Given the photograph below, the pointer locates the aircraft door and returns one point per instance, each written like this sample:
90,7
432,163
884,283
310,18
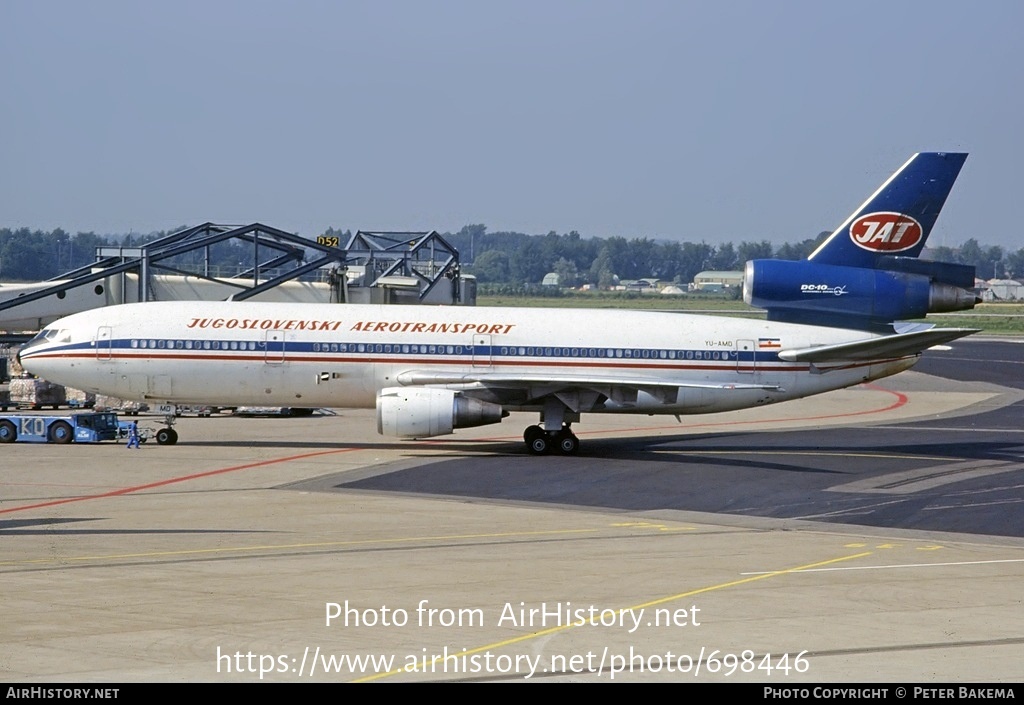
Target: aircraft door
746,358
481,351
274,347
104,342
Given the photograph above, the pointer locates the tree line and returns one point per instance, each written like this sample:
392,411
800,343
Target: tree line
497,257
508,257
36,255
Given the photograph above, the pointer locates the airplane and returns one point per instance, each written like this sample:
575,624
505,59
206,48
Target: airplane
834,320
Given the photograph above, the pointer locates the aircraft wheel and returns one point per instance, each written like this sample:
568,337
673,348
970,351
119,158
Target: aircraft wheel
568,443
166,437
8,433
537,441
60,432
539,445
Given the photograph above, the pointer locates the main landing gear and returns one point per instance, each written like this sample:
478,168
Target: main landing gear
541,442
553,434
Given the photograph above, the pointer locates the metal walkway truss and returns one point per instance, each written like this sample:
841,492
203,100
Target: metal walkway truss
276,257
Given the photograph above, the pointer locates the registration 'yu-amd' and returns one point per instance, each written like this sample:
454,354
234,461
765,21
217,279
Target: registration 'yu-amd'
834,320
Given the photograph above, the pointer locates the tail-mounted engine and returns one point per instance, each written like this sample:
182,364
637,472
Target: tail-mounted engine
421,412
899,288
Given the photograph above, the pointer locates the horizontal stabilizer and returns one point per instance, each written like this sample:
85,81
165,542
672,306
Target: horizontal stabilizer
886,346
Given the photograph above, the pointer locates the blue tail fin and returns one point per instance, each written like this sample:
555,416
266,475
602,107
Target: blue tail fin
898,217
866,274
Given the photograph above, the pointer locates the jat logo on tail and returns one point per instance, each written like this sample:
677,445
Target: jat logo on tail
886,232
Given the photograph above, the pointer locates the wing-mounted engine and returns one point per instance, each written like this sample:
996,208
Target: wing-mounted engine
421,412
897,288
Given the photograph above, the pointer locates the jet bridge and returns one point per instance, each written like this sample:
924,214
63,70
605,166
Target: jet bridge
378,267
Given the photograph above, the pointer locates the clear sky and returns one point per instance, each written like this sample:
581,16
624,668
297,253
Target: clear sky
706,121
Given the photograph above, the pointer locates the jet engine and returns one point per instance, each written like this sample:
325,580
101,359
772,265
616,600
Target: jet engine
899,288
421,412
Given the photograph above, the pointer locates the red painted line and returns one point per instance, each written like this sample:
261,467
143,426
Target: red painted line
174,480
901,399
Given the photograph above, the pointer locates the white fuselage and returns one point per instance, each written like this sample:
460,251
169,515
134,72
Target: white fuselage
341,355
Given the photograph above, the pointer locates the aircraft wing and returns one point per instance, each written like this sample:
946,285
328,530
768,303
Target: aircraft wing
578,392
505,380
886,346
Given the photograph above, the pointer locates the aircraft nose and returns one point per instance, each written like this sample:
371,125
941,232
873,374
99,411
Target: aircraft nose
18,359
19,356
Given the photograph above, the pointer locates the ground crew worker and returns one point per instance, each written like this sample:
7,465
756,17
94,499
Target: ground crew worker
133,435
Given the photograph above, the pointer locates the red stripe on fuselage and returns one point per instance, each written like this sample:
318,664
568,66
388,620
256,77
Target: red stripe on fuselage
761,366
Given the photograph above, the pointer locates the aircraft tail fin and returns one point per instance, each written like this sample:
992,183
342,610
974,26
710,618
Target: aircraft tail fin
867,274
897,218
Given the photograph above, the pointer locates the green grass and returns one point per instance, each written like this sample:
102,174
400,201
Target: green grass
644,302
993,319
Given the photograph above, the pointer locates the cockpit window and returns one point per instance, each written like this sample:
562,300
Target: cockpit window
50,335
39,337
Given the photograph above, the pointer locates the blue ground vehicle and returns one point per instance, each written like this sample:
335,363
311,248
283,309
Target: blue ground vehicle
80,428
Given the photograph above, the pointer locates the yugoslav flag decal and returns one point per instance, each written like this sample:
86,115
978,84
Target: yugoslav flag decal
886,232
